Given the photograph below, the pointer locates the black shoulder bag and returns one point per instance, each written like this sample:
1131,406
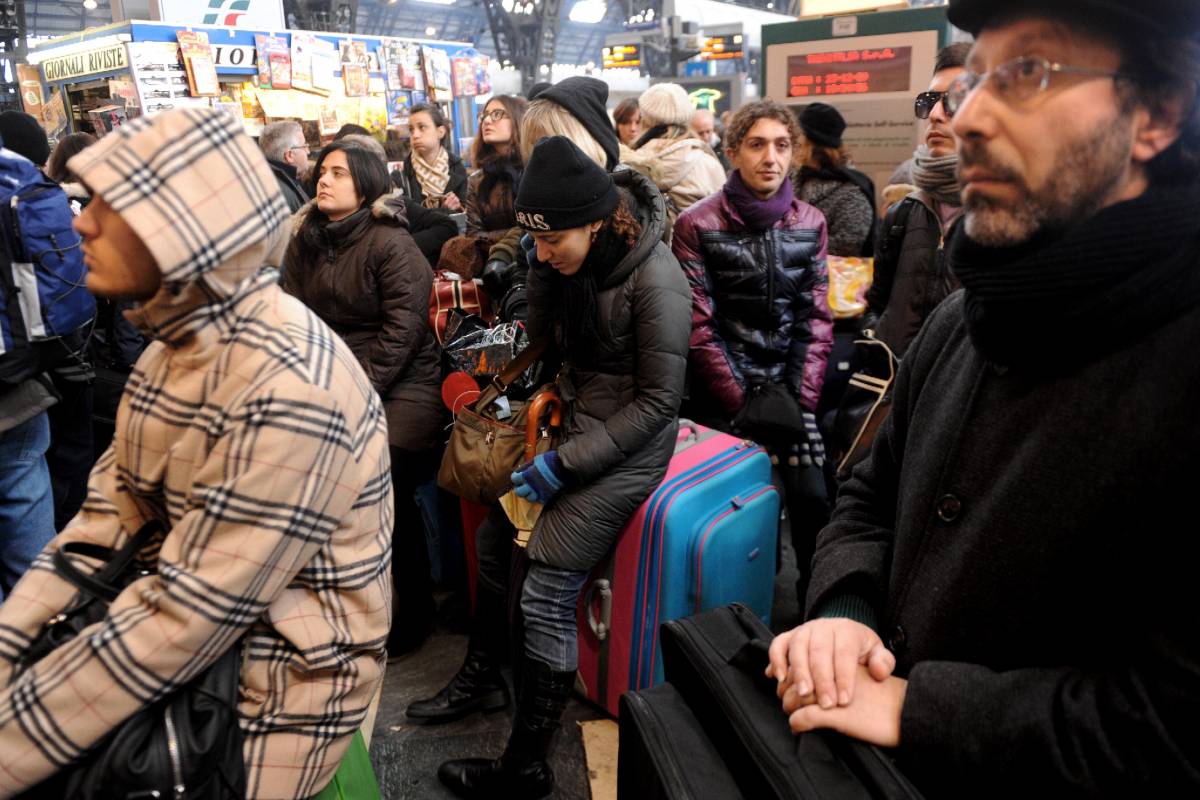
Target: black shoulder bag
866,404
187,746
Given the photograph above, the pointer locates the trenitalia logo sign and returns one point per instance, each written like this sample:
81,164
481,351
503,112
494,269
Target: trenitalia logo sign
227,12
256,14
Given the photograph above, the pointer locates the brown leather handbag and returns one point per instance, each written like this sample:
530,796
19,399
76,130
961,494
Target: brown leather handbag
484,450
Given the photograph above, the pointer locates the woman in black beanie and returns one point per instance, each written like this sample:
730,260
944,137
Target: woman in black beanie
616,307
826,180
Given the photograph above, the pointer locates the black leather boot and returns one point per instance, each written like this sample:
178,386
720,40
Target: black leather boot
478,685
522,772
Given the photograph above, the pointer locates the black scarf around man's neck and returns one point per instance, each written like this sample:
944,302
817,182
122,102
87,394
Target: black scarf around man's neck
1064,299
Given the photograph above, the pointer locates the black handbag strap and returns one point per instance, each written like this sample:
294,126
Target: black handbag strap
104,584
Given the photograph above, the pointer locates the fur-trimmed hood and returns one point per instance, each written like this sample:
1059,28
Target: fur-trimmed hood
388,208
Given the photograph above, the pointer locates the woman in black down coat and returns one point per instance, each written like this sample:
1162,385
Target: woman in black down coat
616,303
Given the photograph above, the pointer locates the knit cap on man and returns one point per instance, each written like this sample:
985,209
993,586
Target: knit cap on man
562,188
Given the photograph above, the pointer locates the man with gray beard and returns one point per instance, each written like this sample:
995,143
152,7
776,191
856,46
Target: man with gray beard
1004,593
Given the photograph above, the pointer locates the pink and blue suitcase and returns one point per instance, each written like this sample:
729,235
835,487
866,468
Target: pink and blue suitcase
704,538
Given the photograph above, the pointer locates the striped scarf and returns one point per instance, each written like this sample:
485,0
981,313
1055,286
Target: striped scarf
432,177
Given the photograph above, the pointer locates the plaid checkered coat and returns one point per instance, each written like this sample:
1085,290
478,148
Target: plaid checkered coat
249,428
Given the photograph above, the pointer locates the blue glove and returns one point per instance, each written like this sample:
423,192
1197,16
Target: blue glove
539,480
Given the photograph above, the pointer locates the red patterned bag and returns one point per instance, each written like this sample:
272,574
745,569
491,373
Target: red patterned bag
450,290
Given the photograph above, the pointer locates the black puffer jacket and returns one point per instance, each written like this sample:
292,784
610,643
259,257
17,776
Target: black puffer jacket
623,405
760,301
371,285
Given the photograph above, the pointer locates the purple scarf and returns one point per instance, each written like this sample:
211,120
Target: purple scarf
758,214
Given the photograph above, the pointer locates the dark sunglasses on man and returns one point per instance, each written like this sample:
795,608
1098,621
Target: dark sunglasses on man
926,102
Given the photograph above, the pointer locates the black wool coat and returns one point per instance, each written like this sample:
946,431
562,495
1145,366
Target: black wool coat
1028,545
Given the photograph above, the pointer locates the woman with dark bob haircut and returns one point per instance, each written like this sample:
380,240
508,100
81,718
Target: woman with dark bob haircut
353,261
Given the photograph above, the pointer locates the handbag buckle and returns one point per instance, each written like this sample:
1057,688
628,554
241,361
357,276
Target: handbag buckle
499,383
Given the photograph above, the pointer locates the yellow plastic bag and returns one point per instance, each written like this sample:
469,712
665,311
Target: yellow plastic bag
849,279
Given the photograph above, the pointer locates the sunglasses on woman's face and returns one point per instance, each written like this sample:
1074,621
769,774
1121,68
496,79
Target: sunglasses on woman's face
493,116
926,102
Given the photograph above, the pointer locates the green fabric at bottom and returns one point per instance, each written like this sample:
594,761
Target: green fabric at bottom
354,779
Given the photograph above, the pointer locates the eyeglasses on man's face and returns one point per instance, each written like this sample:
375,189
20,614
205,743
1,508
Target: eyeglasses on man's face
1016,81
926,102
495,115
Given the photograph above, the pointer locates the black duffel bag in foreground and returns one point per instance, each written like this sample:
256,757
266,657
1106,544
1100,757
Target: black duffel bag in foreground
717,661
187,746
664,753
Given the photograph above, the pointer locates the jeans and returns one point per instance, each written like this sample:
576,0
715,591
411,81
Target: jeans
26,500
548,603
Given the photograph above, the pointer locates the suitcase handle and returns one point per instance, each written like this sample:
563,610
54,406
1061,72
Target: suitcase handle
602,626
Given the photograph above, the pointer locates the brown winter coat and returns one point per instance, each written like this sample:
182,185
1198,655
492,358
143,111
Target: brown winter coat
370,283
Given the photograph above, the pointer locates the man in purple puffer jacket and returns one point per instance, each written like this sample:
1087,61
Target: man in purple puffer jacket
755,257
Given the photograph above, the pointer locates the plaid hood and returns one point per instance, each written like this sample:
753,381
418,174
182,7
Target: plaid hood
202,197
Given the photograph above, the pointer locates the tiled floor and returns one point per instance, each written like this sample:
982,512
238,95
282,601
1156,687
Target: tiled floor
406,756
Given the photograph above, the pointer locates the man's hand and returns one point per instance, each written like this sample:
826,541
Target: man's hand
872,716
819,661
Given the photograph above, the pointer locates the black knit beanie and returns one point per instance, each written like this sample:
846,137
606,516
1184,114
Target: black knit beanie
562,188
22,134
586,100
822,124
536,90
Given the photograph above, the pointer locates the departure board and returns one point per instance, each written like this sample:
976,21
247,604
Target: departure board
841,72
621,56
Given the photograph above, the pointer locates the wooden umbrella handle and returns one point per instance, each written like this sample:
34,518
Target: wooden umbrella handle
538,404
